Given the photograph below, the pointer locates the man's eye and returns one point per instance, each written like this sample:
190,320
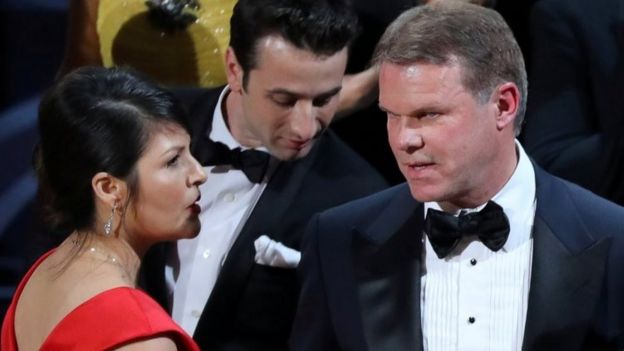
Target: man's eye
428,115
285,102
318,102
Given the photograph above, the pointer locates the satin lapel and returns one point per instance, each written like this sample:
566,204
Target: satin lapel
567,272
564,288
387,267
273,205
201,113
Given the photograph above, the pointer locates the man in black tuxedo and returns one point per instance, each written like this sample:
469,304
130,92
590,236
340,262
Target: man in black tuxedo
575,116
480,249
234,287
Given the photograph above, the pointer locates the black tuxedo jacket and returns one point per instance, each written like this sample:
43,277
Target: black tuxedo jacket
575,115
252,306
362,261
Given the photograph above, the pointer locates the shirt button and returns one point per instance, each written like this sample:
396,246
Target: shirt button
471,320
473,261
196,313
206,253
229,197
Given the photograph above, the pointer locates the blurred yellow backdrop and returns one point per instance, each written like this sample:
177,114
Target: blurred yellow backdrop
190,57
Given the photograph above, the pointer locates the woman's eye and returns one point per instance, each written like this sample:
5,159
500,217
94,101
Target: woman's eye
174,161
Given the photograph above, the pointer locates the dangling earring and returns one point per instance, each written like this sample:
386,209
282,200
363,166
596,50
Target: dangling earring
108,226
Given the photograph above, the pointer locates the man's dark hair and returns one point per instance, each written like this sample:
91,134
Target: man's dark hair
323,27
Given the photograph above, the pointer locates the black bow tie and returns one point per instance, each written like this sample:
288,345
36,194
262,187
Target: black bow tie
446,230
253,163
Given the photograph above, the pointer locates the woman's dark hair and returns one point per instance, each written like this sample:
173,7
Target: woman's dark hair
95,119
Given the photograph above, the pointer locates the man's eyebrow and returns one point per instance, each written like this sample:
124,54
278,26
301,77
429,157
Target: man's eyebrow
329,93
278,91
383,109
414,112
282,91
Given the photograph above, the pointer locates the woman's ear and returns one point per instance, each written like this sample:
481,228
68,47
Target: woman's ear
109,189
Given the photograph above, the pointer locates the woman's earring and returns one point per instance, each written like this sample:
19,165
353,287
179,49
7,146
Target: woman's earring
108,226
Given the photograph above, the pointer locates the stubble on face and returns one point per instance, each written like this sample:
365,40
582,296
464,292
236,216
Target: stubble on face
445,141
290,97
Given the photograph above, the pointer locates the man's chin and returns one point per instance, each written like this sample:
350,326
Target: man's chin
422,193
289,154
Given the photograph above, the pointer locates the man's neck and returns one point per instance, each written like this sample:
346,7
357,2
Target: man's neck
497,177
232,110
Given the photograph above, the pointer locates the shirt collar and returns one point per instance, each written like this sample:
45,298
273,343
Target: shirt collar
517,198
220,131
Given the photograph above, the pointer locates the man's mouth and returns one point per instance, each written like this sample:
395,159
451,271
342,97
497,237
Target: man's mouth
298,144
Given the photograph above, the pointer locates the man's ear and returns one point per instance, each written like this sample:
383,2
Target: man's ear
233,71
507,99
109,189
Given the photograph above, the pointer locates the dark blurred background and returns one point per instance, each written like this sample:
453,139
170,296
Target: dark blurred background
32,37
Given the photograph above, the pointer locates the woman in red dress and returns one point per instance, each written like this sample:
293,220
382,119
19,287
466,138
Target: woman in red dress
116,174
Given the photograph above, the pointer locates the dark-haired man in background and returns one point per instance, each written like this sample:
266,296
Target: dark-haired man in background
480,249
234,287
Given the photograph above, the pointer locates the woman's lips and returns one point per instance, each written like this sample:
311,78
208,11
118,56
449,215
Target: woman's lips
195,208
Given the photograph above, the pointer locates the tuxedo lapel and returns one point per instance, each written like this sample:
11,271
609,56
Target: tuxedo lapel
387,267
567,273
273,205
564,291
202,113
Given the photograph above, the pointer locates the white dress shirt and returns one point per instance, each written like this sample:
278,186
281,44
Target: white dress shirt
476,299
227,199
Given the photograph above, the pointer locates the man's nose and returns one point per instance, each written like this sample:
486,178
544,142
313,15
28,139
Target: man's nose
410,135
303,121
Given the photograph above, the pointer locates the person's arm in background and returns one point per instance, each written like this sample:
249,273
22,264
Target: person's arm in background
82,47
560,132
359,90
